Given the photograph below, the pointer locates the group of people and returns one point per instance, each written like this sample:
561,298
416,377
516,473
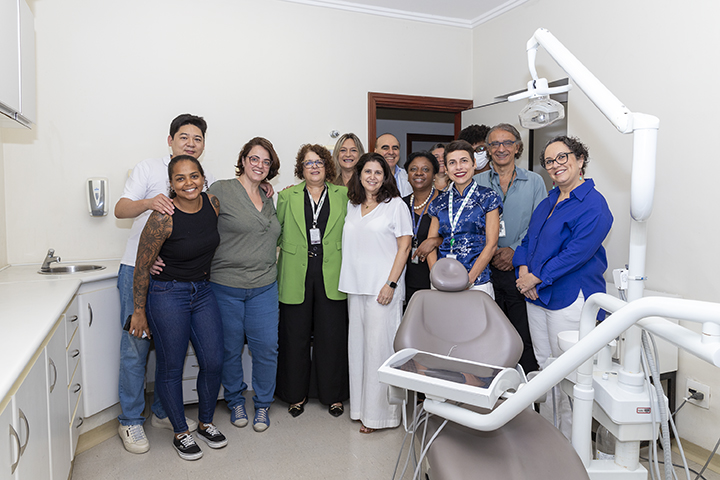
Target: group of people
316,286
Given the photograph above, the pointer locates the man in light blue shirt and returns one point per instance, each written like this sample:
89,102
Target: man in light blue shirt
389,147
521,192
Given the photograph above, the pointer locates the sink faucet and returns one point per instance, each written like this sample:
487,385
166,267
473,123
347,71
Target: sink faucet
50,258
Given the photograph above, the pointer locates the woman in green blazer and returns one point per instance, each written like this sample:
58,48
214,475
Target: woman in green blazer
312,310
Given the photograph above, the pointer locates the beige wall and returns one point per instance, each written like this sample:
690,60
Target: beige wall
112,75
657,60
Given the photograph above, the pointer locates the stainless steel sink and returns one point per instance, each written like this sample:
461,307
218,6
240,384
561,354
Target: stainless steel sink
62,269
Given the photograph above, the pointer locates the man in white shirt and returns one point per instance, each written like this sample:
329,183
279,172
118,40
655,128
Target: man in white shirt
389,147
146,190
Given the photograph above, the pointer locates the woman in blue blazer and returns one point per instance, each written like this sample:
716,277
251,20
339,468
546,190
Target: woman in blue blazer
312,310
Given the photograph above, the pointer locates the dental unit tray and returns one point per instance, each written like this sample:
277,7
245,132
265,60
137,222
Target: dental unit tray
447,378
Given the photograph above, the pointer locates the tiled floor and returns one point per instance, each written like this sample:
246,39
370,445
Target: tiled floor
311,446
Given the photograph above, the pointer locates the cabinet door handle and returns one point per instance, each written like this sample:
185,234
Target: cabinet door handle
27,428
80,422
14,434
78,387
55,375
75,353
91,315
73,319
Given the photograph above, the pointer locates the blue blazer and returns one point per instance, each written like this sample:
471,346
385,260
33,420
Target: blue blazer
293,242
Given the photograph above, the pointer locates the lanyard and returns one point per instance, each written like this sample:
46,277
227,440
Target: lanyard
454,221
509,185
316,208
416,226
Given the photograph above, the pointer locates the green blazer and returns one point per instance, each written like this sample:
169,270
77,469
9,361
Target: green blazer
293,242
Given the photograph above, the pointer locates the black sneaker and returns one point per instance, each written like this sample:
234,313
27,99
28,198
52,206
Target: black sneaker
186,447
212,436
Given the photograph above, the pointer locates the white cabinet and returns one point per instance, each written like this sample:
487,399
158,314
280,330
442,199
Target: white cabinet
30,421
57,394
9,57
17,61
100,330
9,444
26,114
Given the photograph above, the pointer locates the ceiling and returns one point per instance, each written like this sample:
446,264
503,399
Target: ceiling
457,13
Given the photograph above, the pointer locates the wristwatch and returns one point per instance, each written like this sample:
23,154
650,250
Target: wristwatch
391,284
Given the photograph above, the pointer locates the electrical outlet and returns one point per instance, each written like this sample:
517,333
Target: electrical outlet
693,386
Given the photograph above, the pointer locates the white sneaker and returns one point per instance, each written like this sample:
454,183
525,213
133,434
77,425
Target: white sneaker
166,424
134,439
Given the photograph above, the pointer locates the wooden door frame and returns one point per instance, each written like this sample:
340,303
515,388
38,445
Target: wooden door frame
411,102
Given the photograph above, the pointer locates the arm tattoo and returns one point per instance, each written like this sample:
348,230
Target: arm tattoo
157,229
215,203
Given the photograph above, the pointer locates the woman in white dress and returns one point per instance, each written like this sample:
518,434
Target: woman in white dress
376,243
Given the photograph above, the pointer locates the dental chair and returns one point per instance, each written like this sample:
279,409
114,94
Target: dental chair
466,324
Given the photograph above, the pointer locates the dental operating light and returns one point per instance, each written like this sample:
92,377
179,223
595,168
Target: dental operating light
541,110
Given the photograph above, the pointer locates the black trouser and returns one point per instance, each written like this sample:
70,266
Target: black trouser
325,323
513,304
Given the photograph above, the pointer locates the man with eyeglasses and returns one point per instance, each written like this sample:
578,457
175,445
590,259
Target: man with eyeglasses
521,192
475,135
388,146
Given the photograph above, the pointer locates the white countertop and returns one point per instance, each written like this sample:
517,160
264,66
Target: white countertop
30,305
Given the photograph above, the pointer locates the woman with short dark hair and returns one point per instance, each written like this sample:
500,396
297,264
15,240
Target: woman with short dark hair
312,310
561,260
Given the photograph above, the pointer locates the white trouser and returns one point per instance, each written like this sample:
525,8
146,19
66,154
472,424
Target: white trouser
371,333
544,327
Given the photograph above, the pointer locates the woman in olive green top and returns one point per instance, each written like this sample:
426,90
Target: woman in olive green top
243,277
312,215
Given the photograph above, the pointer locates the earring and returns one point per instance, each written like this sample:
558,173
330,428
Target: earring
206,184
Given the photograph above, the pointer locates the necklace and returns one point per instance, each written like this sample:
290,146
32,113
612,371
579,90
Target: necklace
412,199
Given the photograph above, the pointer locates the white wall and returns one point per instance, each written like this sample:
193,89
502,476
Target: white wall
3,228
111,76
657,59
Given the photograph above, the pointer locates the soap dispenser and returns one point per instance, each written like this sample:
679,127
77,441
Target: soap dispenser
97,196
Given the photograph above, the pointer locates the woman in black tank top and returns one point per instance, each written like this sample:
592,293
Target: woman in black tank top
178,305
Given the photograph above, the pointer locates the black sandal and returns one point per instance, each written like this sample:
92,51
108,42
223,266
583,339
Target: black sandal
336,410
297,409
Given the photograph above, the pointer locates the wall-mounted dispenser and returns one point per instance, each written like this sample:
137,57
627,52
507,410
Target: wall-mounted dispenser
97,196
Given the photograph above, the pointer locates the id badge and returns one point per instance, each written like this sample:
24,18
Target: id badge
502,228
451,255
315,236
414,259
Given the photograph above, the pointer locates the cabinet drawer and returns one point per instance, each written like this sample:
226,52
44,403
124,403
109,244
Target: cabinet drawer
74,392
71,321
190,395
75,424
73,356
191,367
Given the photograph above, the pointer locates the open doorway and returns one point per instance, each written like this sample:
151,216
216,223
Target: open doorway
417,122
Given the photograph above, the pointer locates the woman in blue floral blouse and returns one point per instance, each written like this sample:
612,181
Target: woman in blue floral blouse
467,217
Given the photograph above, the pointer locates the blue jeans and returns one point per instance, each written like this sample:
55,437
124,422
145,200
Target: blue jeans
250,313
133,360
179,312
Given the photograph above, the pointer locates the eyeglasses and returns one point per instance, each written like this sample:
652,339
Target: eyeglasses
506,144
480,148
560,159
314,163
255,160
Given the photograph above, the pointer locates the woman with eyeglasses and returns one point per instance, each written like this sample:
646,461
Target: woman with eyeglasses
348,150
377,232
244,280
441,180
467,217
312,310
561,260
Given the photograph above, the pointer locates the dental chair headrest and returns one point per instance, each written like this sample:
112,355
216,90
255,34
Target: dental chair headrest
449,275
